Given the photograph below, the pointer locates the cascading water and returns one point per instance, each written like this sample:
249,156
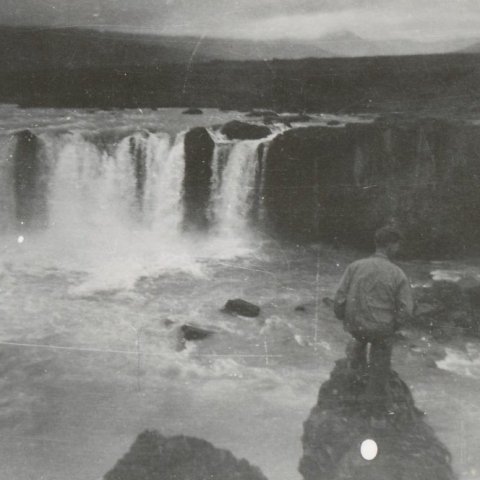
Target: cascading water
114,202
235,193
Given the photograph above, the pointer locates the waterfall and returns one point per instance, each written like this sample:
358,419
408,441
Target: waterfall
166,188
234,198
135,185
221,155
112,202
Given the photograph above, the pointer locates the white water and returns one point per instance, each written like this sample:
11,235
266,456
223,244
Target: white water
100,221
234,186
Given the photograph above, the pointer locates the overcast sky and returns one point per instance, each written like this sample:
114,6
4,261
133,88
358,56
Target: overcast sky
416,19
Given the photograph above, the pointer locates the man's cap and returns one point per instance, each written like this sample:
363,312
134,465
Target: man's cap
386,235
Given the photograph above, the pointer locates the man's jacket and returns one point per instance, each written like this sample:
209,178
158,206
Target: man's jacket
374,296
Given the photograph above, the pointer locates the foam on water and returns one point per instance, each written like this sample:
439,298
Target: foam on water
465,363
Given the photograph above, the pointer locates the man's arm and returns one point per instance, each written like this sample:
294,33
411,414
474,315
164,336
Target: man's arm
404,302
340,302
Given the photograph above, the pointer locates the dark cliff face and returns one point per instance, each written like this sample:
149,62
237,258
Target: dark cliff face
199,148
338,424
30,177
340,184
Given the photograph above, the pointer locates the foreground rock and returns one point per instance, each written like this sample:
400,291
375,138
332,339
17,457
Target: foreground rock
339,423
155,457
236,130
241,307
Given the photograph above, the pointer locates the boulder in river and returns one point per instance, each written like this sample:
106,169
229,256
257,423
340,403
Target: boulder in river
449,304
190,332
155,457
338,425
193,111
236,130
241,307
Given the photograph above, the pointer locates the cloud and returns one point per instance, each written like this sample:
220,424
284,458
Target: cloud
379,21
255,18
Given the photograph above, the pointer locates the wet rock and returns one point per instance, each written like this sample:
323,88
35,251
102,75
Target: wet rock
262,113
191,333
338,424
328,302
236,130
199,148
155,457
287,119
241,307
30,180
193,111
447,306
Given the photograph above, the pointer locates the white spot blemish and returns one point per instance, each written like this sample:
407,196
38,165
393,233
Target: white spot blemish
369,449
21,239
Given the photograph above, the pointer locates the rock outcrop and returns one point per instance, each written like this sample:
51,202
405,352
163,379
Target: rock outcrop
192,111
340,184
192,332
199,148
241,307
30,177
155,457
340,422
236,130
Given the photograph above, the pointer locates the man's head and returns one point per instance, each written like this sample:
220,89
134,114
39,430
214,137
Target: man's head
387,240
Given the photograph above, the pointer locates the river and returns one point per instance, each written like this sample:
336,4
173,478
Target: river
98,277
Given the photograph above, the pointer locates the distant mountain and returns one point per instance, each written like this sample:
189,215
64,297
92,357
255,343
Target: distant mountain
35,48
348,44
475,48
48,48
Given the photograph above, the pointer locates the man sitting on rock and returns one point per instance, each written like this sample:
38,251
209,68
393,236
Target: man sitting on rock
373,300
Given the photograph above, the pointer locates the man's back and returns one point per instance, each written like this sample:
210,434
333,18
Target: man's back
374,296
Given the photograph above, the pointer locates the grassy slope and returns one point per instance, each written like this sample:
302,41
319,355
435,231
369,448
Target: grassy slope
446,83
